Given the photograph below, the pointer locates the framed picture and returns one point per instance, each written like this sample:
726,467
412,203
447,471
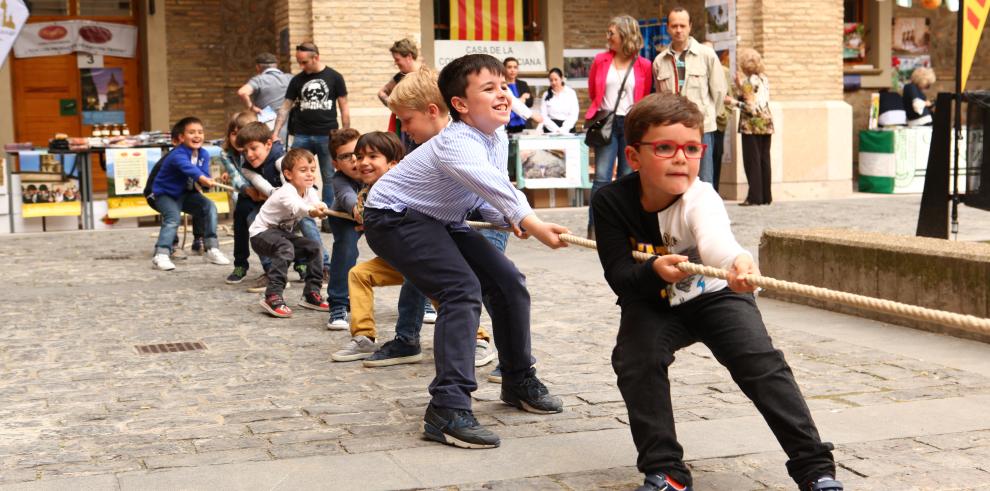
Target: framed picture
546,162
720,19
577,64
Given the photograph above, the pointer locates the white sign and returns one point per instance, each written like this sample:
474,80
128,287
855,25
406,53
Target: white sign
64,37
89,60
532,55
547,162
13,14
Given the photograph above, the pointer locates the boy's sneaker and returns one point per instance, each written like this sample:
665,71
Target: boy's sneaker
661,482
313,300
531,396
300,269
237,275
483,353
274,305
824,483
457,427
496,376
429,314
338,320
259,284
197,247
394,352
178,254
213,255
162,262
358,348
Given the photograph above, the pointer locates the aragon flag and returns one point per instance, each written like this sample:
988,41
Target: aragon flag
487,20
974,18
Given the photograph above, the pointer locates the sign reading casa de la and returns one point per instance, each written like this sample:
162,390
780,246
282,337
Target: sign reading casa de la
532,55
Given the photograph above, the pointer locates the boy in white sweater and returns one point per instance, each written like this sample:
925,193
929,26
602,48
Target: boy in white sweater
271,233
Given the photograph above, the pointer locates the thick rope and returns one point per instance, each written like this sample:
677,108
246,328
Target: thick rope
967,322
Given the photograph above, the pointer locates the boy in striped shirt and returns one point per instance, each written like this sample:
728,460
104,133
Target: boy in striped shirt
415,219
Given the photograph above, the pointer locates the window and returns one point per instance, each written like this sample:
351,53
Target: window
855,33
105,8
48,7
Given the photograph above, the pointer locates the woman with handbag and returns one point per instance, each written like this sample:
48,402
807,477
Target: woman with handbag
618,79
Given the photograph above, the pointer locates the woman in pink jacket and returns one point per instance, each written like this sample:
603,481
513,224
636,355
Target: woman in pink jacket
604,80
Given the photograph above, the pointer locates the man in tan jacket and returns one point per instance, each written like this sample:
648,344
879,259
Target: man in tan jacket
690,68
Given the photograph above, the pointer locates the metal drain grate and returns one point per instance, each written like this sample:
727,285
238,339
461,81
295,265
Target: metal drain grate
113,257
151,349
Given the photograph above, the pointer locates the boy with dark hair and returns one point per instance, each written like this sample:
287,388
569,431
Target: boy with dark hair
663,208
174,192
262,166
414,219
344,252
271,233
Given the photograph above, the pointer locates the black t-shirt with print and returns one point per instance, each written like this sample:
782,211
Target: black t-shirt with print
315,94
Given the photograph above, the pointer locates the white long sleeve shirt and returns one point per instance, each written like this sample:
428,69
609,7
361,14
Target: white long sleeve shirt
697,226
283,209
563,106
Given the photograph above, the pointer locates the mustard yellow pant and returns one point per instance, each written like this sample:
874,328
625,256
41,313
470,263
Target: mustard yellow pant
361,282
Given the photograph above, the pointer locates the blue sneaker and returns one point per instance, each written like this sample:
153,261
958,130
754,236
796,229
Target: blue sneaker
824,483
457,427
394,352
496,376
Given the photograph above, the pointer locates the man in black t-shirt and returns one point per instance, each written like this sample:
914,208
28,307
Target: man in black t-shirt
313,97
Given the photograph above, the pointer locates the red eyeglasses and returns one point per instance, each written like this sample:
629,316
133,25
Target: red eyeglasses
666,149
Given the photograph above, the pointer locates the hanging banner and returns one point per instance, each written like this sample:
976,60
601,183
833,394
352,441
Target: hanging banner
974,18
486,20
13,14
64,37
532,55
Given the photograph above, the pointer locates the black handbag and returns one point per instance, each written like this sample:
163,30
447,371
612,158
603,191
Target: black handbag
599,132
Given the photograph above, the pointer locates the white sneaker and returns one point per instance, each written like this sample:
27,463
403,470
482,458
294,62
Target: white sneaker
358,348
338,320
430,317
162,262
483,353
213,255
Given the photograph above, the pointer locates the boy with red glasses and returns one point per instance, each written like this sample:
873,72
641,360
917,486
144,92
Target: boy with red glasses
664,209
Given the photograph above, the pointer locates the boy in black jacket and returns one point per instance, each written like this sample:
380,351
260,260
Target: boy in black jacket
664,209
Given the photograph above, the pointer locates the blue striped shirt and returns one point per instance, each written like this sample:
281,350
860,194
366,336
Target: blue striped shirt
454,173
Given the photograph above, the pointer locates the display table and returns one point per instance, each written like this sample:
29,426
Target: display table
550,165
895,160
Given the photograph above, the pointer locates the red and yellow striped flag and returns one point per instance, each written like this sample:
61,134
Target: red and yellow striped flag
486,20
974,18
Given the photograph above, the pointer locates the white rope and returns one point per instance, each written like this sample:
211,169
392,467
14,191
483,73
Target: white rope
967,322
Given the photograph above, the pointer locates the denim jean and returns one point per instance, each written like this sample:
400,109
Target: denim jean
319,145
171,209
342,258
706,171
311,231
410,321
605,160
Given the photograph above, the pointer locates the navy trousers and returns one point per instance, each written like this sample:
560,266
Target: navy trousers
456,266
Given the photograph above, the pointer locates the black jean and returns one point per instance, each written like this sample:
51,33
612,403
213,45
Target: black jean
282,247
756,163
455,266
731,326
242,238
718,149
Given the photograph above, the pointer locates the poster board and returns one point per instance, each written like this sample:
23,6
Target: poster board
46,188
546,162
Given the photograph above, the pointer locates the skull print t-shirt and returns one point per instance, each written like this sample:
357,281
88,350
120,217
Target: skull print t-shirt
314,111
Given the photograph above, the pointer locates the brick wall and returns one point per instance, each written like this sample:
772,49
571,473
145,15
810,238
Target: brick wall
210,56
354,39
802,42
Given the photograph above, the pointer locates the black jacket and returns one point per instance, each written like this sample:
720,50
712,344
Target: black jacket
621,226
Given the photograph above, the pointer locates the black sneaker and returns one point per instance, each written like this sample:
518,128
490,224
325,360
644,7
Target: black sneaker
824,483
661,482
457,427
237,276
394,352
300,269
532,396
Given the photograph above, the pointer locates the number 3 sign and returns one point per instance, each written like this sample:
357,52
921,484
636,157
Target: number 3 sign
89,60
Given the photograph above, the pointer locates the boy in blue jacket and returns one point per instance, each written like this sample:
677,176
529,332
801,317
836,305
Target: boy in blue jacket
175,192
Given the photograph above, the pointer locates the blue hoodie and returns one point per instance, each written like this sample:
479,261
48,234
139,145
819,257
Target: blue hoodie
178,174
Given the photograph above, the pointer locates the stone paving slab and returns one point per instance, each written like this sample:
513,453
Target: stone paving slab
78,399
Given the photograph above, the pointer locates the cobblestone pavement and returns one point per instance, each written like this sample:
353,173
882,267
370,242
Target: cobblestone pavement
78,399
